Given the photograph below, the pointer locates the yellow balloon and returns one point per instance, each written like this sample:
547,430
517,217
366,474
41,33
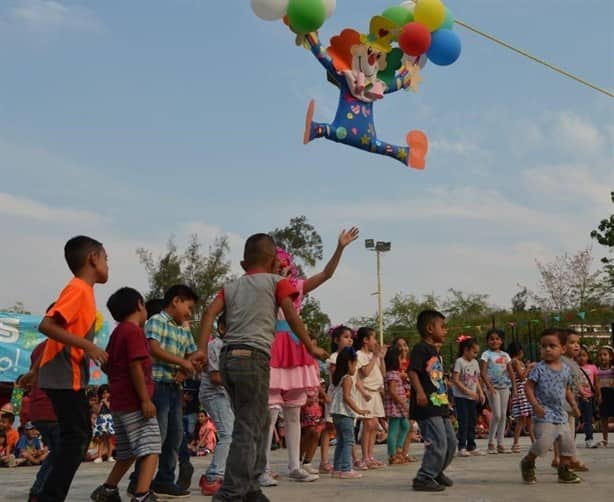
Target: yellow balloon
430,13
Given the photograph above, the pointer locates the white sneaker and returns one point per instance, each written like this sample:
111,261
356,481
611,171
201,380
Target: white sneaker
591,444
266,480
310,469
98,460
302,476
111,459
477,453
464,453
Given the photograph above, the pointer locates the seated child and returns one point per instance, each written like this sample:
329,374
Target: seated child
29,447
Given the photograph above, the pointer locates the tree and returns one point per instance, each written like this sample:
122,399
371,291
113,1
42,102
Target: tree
566,283
300,239
205,273
465,306
17,308
316,321
604,235
519,300
162,272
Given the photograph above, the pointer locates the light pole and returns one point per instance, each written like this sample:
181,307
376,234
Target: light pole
379,247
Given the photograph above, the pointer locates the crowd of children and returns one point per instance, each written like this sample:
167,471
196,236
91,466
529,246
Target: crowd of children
263,362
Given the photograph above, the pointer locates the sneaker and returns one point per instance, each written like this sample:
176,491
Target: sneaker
347,475
310,468
102,494
302,476
265,480
98,460
111,459
527,469
184,480
464,453
171,492
477,452
444,480
427,485
256,497
592,444
492,450
209,488
568,477
150,497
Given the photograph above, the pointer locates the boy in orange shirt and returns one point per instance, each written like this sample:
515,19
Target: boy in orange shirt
63,369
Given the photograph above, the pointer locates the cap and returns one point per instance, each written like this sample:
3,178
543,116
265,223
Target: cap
29,426
7,409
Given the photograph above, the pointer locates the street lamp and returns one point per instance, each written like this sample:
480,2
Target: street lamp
379,247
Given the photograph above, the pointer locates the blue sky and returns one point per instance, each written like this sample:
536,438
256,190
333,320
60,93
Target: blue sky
132,121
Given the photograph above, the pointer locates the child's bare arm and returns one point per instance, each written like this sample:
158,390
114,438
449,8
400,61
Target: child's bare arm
572,402
137,376
206,326
347,397
529,389
392,388
484,375
51,328
417,386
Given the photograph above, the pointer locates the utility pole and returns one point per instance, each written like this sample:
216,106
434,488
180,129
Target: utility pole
379,247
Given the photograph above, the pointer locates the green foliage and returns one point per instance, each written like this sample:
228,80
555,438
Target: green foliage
316,321
204,272
604,235
300,239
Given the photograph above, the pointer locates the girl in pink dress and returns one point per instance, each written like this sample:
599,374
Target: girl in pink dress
292,372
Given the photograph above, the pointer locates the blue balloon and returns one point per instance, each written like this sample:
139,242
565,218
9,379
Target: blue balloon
445,47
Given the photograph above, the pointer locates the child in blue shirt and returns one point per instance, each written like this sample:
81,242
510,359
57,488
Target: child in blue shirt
547,388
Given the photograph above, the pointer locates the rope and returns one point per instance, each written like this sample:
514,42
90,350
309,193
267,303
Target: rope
536,59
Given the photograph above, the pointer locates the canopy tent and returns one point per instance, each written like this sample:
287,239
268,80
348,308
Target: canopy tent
19,336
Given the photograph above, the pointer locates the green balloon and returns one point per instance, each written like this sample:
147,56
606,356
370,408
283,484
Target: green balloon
398,15
306,16
448,23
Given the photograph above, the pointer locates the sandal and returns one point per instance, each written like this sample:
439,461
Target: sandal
555,463
395,460
410,458
359,465
503,449
516,448
325,468
578,466
371,463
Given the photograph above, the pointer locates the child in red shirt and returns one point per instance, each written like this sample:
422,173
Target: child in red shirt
134,415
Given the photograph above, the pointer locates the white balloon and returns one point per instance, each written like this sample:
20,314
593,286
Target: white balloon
270,10
410,5
419,60
330,5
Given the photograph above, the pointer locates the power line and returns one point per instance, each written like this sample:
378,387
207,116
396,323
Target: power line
536,59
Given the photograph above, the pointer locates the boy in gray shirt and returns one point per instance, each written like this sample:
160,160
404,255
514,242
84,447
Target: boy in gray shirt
250,305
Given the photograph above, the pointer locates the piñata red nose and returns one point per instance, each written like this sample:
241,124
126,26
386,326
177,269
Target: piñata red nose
372,59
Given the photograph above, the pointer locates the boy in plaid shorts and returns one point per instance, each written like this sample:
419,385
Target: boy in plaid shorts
134,414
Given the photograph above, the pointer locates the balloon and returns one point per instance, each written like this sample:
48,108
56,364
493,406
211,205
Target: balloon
419,60
409,5
398,15
431,13
306,16
448,23
445,47
415,39
330,5
270,10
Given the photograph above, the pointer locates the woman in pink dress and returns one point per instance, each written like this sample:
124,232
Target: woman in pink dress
292,372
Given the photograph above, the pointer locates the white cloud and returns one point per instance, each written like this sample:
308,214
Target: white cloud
22,207
462,148
52,15
577,134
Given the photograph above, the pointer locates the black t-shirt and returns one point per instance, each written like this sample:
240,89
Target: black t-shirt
426,362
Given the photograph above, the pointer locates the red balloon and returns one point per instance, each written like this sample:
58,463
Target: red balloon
415,39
